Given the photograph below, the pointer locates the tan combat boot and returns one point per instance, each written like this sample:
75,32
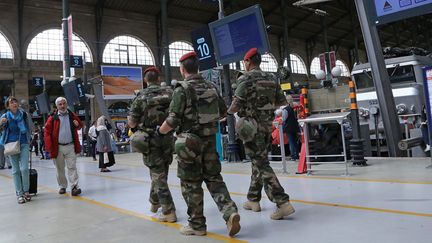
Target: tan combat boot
187,230
254,206
170,218
282,211
154,208
233,224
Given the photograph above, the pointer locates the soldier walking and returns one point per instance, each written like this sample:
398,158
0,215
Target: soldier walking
194,113
256,96
148,110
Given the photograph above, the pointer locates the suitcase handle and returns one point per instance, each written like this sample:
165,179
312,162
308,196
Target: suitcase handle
30,160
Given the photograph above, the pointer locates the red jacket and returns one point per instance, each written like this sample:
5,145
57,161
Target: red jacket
275,132
52,129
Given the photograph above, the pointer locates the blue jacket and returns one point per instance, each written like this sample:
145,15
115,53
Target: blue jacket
5,132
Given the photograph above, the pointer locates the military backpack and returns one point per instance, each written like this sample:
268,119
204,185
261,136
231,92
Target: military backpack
202,104
263,96
204,98
155,105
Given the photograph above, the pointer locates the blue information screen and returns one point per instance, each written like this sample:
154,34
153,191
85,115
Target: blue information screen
238,36
234,35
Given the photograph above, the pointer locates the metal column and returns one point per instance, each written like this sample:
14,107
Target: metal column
232,150
381,80
165,41
66,64
286,52
20,31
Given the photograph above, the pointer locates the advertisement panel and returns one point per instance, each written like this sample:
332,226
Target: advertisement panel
121,82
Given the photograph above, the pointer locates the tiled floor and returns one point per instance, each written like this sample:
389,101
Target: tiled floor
389,201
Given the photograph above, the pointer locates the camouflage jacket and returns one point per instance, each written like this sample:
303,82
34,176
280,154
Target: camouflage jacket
150,108
183,111
258,94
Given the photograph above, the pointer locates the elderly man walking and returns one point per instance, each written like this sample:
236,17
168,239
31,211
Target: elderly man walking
62,142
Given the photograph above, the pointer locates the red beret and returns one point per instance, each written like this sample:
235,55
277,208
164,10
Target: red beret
252,52
152,68
187,55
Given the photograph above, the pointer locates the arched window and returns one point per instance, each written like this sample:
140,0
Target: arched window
176,50
268,63
126,49
48,46
5,48
315,66
297,64
345,71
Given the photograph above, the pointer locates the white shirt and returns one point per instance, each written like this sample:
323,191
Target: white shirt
92,132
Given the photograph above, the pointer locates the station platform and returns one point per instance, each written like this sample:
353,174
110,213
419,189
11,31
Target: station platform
388,201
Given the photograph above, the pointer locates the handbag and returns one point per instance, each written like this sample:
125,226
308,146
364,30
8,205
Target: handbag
12,148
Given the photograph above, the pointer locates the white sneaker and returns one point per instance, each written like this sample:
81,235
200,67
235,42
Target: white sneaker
427,149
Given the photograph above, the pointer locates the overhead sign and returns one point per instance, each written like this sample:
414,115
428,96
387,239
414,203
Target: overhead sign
74,92
203,46
37,81
392,10
42,103
327,57
76,61
286,86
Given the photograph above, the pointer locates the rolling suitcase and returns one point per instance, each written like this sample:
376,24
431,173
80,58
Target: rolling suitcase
33,179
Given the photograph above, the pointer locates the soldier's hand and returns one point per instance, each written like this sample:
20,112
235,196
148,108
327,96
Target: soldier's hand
76,123
158,133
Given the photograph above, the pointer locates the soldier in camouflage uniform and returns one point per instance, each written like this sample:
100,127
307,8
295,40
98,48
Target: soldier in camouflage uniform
149,110
194,113
256,96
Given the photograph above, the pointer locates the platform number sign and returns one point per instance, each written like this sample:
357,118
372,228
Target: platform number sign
203,46
37,81
76,61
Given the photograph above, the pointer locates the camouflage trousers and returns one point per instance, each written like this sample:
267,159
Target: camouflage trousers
158,161
204,168
262,173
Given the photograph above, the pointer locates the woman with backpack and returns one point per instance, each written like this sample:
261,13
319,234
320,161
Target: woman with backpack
16,131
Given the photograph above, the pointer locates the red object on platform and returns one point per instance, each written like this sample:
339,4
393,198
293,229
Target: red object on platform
302,166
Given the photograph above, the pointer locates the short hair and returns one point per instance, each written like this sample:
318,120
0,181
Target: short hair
151,76
256,59
9,99
59,99
191,65
289,99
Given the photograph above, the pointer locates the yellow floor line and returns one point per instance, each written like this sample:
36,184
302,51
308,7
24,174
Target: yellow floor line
364,208
312,177
292,200
138,215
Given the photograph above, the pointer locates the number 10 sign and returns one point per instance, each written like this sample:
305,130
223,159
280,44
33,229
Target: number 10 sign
203,46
